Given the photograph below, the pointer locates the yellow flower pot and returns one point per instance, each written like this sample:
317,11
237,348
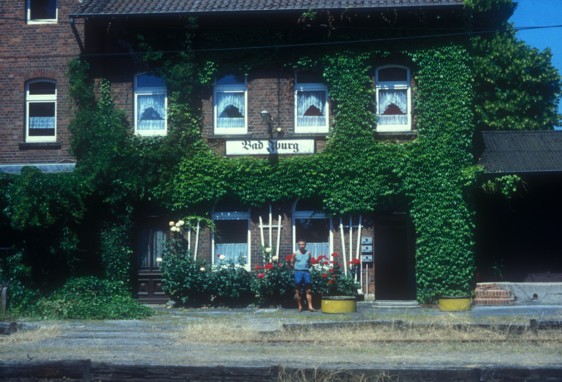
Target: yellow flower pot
339,304
454,304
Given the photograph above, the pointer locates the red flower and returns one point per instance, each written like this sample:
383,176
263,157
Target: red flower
258,267
331,270
314,260
330,282
268,266
261,275
355,262
288,258
335,254
324,275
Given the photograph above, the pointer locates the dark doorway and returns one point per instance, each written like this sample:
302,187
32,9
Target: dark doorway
518,238
395,276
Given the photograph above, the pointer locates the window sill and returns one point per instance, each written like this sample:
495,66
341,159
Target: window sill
40,146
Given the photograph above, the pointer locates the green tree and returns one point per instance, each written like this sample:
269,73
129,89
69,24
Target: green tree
516,86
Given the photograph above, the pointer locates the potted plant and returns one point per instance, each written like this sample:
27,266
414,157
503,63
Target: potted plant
455,300
338,291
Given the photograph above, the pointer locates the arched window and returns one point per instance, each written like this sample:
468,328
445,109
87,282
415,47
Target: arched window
393,98
230,105
231,236
151,104
42,11
41,111
311,108
311,224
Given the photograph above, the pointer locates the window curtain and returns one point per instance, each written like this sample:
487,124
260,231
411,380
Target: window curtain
393,107
151,112
230,109
151,246
41,122
158,243
312,102
317,249
41,115
234,253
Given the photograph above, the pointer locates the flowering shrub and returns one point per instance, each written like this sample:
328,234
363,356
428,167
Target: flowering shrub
273,281
230,284
328,279
185,279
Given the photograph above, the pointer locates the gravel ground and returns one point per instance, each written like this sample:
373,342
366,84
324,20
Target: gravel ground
160,340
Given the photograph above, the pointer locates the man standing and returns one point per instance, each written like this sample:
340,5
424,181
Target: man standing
300,262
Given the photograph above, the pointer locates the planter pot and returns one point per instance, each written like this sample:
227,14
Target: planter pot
454,304
339,304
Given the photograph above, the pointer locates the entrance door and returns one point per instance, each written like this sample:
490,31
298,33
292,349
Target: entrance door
151,241
395,277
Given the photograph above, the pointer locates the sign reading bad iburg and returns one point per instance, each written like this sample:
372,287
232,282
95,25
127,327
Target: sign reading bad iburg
270,146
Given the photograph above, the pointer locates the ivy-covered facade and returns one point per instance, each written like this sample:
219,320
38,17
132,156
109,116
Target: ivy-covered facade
259,124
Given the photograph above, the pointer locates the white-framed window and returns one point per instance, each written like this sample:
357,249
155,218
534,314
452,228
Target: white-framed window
232,236
230,104
311,108
151,105
393,98
312,225
41,111
42,11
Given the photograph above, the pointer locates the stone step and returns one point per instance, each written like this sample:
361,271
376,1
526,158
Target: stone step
494,301
493,293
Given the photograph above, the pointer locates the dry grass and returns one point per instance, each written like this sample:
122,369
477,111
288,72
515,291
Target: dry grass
31,336
225,331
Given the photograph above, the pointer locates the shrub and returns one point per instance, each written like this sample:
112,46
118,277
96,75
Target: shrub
328,279
184,278
230,285
91,298
273,283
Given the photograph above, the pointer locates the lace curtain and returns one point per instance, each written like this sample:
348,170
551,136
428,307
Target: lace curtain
42,115
310,108
393,107
234,253
151,112
230,109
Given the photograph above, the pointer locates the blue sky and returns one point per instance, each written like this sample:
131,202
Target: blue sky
531,13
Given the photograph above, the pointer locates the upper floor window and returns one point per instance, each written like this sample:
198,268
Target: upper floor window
42,11
311,108
41,111
393,98
150,105
230,106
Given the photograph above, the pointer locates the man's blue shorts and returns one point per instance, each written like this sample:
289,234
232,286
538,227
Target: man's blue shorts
302,277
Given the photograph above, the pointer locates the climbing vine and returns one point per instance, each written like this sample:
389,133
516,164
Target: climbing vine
119,173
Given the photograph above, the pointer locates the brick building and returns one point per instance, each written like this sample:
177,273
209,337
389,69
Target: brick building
38,41
267,111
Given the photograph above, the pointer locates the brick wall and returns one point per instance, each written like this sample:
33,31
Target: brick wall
29,51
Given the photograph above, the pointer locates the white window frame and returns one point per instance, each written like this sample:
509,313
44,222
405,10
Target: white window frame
394,85
233,215
320,129
41,21
230,88
150,91
35,99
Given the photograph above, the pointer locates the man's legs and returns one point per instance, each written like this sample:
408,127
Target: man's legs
298,297
309,298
